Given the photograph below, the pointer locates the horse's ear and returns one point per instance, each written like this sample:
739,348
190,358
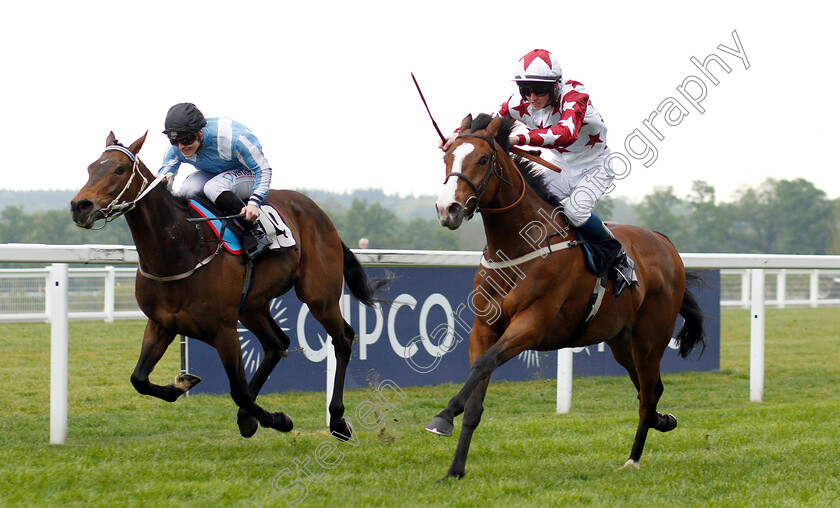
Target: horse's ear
137,145
466,123
493,128
111,139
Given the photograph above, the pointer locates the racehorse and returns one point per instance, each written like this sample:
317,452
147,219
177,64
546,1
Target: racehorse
189,285
532,298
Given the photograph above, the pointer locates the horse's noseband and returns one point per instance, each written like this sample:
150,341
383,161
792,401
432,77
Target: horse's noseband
478,190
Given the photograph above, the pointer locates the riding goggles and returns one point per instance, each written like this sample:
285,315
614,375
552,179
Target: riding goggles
182,138
538,89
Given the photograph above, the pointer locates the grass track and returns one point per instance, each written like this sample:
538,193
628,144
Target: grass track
124,449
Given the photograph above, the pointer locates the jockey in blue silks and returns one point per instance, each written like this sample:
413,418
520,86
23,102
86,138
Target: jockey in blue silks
230,162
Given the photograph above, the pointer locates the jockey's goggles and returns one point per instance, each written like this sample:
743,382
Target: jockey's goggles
182,138
538,89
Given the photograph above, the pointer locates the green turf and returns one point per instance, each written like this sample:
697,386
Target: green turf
124,449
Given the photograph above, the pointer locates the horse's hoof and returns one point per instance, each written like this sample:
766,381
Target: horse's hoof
667,423
282,422
341,430
185,382
440,426
450,477
630,464
248,426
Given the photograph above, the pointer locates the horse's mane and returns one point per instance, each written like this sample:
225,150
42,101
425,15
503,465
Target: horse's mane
526,167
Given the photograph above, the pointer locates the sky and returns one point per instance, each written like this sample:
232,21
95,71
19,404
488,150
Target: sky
326,86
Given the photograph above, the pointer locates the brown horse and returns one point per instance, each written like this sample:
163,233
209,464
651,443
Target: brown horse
539,299
188,285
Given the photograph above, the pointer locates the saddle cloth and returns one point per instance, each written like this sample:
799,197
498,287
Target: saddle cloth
272,222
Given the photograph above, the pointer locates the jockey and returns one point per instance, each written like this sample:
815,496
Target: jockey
230,162
562,120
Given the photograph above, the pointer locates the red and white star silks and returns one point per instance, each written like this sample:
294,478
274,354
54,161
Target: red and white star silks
573,129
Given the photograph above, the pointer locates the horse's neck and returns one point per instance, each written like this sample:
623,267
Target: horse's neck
525,227
160,230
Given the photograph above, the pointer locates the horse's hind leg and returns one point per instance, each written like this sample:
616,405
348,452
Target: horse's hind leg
647,355
274,342
156,340
329,315
227,346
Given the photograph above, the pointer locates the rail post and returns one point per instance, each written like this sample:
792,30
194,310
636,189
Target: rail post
58,352
110,283
565,362
757,336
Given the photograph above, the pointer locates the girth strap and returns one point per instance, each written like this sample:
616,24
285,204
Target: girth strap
594,305
594,301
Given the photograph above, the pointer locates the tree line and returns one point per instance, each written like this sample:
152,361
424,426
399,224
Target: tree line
775,217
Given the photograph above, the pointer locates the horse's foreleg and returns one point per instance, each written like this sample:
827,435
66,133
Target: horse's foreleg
508,346
156,340
472,417
227,346
274,342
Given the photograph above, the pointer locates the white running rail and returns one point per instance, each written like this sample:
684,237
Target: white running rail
757,264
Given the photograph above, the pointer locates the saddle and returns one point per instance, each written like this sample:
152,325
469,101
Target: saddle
231,231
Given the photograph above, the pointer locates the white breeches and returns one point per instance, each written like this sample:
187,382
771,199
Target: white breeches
238,181
583,188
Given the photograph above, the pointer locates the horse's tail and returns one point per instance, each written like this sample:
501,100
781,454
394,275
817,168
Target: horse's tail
691,334
361,287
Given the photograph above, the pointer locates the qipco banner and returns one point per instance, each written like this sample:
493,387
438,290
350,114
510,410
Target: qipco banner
420,336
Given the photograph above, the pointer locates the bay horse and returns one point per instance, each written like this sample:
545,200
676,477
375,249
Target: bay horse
189,285
527,298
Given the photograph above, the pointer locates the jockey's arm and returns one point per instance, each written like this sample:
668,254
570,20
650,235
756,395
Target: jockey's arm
250,154
250,211
565,132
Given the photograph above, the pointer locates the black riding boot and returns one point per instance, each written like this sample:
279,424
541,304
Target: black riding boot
607,253
254,241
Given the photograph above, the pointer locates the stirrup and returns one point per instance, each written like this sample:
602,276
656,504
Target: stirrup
255,242
625,273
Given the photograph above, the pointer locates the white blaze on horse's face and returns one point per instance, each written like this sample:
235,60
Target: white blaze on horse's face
446,198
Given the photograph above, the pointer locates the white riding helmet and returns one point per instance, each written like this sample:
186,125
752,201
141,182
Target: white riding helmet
538,65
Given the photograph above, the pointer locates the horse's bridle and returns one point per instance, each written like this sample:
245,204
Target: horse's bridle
479,190
117,208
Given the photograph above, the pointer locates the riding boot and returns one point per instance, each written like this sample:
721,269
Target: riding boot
606,252
254,241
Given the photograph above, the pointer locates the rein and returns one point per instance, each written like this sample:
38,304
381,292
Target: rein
533,158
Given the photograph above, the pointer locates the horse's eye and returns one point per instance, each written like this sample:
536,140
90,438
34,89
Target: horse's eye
120,170
484,160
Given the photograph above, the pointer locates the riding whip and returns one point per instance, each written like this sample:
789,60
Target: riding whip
517,151
442,137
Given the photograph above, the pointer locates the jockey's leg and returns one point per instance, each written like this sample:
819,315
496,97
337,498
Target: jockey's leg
255,241
605,249
228,190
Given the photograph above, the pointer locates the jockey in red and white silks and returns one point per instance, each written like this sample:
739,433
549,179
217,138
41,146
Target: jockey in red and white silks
568,126
560,117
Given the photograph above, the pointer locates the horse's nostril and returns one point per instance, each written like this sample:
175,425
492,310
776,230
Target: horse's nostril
454,209
81,206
